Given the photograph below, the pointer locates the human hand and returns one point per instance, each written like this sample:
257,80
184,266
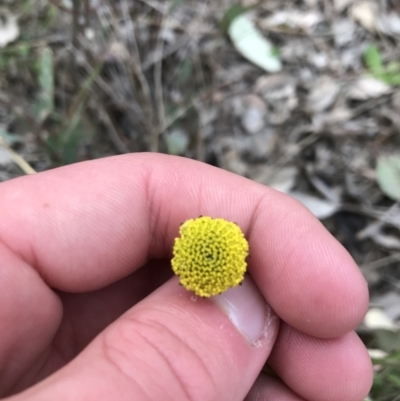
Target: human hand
82,248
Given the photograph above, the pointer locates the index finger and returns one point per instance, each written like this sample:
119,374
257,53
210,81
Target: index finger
86,225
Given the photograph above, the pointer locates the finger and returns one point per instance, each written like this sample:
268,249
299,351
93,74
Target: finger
87,225
87,314
29,316
267,388
172,347
48,344
322,369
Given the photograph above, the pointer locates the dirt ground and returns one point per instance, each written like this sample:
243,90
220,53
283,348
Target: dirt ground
84,79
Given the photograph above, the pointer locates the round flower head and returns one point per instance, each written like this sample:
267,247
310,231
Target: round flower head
210,255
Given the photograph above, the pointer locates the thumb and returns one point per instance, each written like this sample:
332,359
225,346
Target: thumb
172,346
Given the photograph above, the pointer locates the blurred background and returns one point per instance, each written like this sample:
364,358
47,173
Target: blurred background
300,95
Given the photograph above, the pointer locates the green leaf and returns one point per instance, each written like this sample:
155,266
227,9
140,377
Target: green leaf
67,142
387,340
391,79
177,142
23,50
373,58
4,60
394,379
388,175
386,386
232,13
252,45
393,66
389,74
71,137
45,104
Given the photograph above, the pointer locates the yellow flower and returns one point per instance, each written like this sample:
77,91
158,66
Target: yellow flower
210,255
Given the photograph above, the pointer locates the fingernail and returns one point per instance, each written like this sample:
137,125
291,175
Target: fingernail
247,309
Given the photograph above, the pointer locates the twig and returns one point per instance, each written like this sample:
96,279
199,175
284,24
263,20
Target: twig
17,159
199,139
132,106
392,281
382,262
136,65
113,133
200,108
304,143
156,57
74,40
158,90
366,211
75,22
86,8
82,94
195,102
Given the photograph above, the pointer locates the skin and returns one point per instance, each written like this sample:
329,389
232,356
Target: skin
83,246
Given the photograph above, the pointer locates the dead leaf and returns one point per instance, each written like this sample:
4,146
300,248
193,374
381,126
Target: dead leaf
9,30
343,32
377,353
368,87
311,3
295,19
341,5
332,119
279,93
377,319
374,20
320,208
389,24
323,94
117,51
5,157
282,179
231,161
364,12
389,302
254,114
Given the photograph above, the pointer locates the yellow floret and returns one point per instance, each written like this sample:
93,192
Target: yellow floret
210,255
